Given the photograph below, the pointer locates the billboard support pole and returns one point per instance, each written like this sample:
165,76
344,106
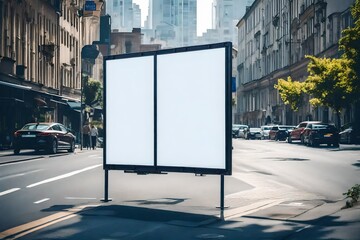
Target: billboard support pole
222,197
106,189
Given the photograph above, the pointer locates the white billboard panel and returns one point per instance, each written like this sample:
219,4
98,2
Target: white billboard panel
169,110
191,109
129,111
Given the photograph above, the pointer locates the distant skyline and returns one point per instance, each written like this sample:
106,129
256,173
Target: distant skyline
203,14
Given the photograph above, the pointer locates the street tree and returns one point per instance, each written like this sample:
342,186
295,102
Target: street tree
291,92
350,45
330,83
93,92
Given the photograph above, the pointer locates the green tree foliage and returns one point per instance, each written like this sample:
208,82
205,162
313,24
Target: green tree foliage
291,92
330,83
92,92
350,44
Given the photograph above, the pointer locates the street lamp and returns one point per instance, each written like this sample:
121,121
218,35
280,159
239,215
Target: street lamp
88,55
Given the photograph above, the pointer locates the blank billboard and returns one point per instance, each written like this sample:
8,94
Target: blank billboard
191,109
169,110
129,111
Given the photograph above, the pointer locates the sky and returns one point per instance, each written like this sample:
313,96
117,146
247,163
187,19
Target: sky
203,13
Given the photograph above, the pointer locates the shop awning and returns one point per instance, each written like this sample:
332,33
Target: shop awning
59,102
76,106
15,85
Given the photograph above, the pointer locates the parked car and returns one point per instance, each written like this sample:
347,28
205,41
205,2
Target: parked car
44,136
253,133
280,132
265,131
349,134
297,133
238,130
321,133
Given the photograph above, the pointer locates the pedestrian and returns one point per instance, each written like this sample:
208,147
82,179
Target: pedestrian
86,136
94,133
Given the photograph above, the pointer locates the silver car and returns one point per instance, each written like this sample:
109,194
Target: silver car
265,131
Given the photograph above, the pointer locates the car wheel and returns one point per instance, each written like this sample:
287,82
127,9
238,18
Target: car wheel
336,145
72,147
53,147
16,151
289,139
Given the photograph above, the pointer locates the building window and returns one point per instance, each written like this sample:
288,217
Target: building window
128,47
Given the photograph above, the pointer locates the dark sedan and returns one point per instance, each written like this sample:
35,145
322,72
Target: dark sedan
44,136
280,133
316,134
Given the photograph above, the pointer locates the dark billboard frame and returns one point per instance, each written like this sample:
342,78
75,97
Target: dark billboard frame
145,169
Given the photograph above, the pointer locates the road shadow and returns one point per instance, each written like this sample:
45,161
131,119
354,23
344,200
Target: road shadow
58,208
357,164
287,159
129,222
162,201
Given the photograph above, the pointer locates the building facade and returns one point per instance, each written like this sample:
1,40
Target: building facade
273,39
40,62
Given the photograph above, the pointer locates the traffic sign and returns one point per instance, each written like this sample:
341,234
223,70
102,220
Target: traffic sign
90,6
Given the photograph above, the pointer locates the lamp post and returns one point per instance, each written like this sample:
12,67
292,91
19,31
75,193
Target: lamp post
88,55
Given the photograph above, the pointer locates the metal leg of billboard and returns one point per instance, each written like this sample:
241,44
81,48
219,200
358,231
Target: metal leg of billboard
222,197
106,189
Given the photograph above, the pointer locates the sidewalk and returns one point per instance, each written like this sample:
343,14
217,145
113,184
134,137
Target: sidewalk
7,156
299,220
119,221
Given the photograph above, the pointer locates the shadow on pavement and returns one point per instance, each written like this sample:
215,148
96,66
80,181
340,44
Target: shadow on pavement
163,201
357,164
288,159
128,222
320,228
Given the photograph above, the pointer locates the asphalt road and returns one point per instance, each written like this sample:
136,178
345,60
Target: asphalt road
265,173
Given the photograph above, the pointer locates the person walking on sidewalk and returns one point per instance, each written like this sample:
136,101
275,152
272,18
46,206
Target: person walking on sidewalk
94,133
86,136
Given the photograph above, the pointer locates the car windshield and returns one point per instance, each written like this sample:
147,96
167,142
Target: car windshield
267,128
36,127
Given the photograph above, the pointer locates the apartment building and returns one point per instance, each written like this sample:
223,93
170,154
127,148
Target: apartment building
40,61
273,38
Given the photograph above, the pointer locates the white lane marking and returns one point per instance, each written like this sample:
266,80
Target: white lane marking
92,156
303,228
20,174
9,191
63,176
42,200
80,198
